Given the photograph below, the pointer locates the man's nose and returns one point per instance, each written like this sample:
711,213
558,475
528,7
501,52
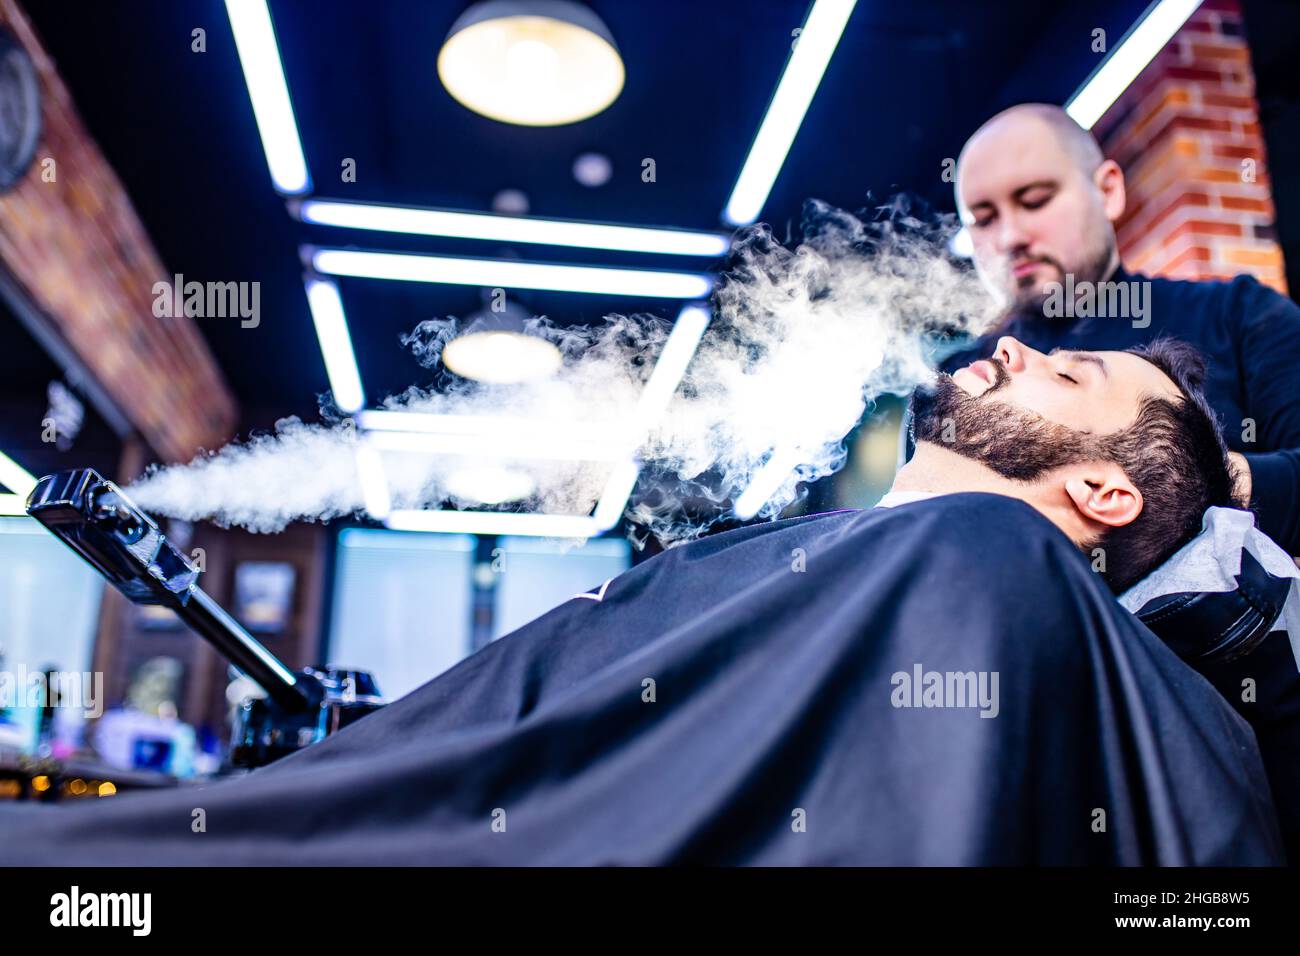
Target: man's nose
1014,354
1011,236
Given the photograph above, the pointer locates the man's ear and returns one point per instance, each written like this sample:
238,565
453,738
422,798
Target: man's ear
1102,493
1110,180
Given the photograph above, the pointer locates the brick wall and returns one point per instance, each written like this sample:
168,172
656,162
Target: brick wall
78,249
1188,136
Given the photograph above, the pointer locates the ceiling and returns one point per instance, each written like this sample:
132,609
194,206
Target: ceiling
907,84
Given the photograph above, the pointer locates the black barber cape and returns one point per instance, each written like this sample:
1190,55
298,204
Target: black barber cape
780,694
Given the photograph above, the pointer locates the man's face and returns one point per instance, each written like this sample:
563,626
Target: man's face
1032,213
1021,412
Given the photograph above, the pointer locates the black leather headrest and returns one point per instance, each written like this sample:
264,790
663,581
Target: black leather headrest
1219,625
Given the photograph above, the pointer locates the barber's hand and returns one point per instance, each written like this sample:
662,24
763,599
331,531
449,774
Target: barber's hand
1241,477
1242,488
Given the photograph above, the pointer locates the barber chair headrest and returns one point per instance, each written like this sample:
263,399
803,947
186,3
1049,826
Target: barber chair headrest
1220,595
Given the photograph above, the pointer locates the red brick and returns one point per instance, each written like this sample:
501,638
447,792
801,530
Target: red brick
1232,101
1195,73
1182,201
1235,52
1235,151
1204,227
1246,205
1243,256
1207,123
1216,174
1194,254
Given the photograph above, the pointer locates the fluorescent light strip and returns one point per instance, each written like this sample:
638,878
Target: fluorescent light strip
15,477
673,361
503,427
799,82
374,483
250,21
335,345
770,477
537,447
550,232
1135,50
375,493
608,510
667,375
505,273
15,505
614,497
494,522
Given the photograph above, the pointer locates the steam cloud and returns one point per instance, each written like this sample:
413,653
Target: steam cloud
801,342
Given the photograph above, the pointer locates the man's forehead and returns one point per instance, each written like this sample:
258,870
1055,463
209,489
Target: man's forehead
1010,154
1136,373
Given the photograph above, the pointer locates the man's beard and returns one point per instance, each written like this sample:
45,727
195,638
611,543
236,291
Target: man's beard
1013,442
1029,301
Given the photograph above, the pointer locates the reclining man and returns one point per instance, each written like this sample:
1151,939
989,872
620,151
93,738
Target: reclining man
1131,488
944,681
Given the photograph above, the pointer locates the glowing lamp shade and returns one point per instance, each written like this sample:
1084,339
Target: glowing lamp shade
501,358
531,62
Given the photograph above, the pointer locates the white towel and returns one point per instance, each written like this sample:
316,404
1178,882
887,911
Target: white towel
1211,562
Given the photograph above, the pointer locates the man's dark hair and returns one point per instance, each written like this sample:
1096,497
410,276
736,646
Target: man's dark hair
1175,456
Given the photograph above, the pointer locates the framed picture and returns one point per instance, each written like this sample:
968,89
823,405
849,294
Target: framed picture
264,595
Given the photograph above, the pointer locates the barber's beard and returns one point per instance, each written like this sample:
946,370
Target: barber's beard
1013,442
1029,302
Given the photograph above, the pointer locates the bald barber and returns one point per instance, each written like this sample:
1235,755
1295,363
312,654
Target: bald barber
1040,202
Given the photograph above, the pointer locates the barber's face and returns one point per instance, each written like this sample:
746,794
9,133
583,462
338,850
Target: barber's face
1023,413
1032,214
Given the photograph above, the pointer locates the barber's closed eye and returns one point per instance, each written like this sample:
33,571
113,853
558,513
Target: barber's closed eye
1036,200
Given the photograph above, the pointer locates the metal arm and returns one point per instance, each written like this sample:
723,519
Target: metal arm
93,517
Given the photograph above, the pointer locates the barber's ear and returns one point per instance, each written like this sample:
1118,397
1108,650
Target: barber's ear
1110,180
1105,495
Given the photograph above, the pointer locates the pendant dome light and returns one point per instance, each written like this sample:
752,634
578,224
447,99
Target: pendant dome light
531,62
496,348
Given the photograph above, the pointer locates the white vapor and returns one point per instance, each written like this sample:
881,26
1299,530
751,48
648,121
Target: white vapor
802,341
